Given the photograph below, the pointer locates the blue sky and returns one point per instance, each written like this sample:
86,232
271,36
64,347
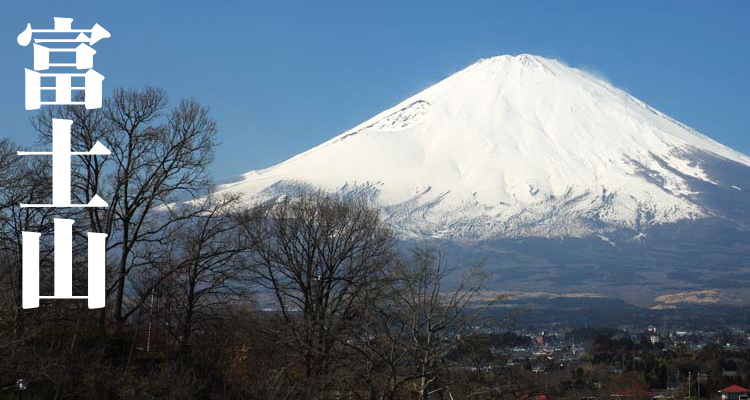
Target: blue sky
281,77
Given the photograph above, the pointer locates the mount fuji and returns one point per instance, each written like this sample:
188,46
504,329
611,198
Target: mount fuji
514,150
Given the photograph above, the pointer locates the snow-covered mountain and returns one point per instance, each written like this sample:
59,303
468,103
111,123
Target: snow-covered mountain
521,146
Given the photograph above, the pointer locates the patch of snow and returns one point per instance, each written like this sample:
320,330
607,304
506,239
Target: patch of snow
607,240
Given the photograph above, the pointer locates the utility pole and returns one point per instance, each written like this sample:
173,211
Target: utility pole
701,377
150,321
689,375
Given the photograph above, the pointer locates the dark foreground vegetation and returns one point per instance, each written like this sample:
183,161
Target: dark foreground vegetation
304,298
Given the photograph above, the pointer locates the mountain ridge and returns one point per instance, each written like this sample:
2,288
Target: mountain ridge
515,146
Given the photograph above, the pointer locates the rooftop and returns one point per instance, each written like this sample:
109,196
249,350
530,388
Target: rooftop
734,389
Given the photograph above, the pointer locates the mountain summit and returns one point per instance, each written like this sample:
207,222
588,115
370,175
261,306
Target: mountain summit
521,146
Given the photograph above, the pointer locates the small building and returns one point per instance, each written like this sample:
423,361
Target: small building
734,392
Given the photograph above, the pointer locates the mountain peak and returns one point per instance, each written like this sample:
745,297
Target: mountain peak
504,64
524,59
513,146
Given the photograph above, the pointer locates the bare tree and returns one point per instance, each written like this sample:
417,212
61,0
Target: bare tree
413,325
22,180
158,156
434,317
26,180
317,255
380,360
203,257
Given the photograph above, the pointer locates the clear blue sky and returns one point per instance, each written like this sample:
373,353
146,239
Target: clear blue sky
281,77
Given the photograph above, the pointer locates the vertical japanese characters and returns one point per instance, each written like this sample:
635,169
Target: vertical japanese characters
56,81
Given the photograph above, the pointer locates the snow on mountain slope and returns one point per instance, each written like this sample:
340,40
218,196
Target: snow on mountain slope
511,146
